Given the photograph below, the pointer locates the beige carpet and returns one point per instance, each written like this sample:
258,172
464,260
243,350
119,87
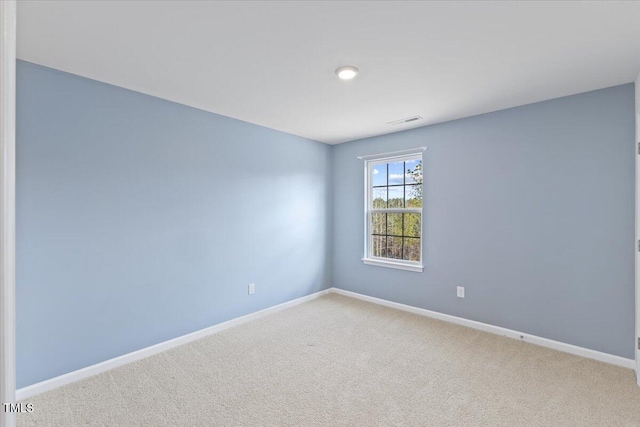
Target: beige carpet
340,361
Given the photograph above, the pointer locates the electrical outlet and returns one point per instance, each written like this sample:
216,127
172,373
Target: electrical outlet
252,288
460,291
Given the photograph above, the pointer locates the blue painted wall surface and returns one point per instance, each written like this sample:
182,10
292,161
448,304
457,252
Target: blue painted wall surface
531,209
140,220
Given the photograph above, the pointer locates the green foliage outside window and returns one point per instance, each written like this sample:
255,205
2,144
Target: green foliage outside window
397,235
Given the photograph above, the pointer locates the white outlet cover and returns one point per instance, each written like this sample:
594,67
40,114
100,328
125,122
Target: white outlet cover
460,292
252,288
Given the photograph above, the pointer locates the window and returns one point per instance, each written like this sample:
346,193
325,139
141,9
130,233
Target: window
394,212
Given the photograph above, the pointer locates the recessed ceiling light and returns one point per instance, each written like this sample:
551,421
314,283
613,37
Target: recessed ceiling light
347,73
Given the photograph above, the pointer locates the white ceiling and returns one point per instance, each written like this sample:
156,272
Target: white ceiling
272,63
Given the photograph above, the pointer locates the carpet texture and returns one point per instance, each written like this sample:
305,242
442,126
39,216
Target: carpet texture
338,361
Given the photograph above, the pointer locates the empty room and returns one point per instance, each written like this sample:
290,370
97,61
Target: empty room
319,213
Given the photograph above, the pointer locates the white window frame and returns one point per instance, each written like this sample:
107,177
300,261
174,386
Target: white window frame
369,210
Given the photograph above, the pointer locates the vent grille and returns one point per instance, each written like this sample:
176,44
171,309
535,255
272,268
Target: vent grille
405,120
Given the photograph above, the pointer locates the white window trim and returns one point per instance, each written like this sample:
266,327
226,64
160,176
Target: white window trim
379,261
397,264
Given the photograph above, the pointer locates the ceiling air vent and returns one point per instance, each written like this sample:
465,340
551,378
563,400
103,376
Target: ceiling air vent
405,120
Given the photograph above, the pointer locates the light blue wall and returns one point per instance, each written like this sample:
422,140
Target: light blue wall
531,209
140,220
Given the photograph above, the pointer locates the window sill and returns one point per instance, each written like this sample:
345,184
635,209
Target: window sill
391,264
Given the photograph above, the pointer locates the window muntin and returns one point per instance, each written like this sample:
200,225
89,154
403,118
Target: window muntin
394,210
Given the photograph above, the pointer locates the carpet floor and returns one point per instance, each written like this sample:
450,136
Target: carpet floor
338,361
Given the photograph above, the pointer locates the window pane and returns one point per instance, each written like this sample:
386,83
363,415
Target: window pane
379,223
394,247
396,196
394,224
379,174
413,196
411,249
396,173
412,224
396,185
414,172
379,246
380,198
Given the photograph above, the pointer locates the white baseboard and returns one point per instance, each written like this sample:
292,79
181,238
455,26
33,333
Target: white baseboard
533,339
89,371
